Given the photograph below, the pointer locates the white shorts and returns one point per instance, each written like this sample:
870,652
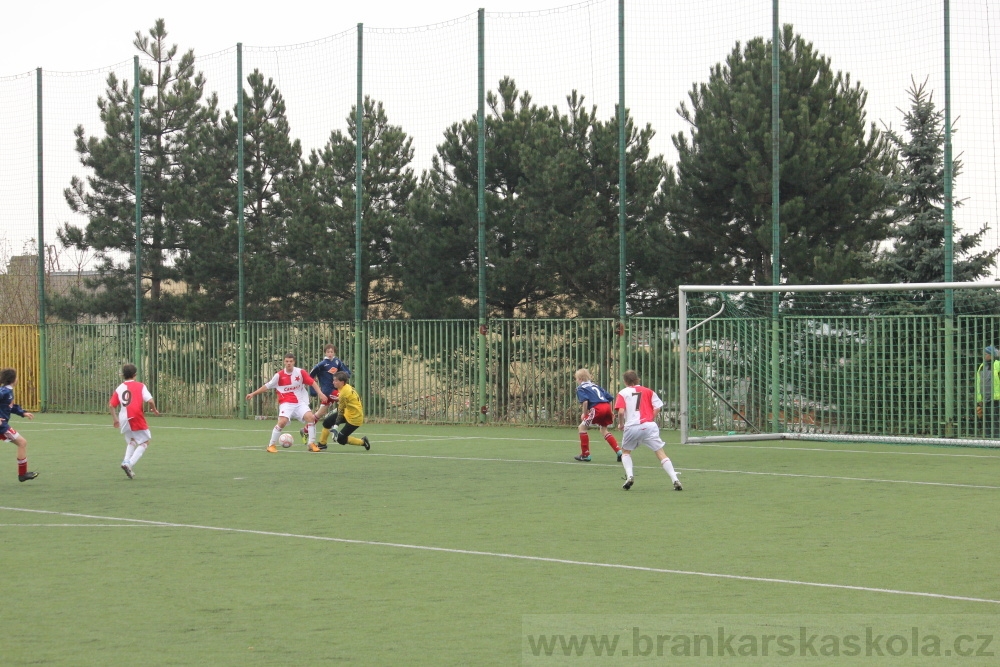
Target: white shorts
643,434
293,411
138,437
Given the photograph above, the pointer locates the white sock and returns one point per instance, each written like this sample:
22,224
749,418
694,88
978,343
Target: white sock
275,434
312,432
669,467
128,452
627,462
139,451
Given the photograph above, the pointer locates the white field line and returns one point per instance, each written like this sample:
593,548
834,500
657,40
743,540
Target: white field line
874,480
521,557
75,525
846,479
841,451
411,436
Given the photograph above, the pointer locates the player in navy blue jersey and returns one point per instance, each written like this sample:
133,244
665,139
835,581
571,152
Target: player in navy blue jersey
323,373
8,378
596,403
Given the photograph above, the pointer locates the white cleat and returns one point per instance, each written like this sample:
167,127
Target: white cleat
677,486
128,470
629,481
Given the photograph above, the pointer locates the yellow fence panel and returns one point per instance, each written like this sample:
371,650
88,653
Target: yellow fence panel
19,349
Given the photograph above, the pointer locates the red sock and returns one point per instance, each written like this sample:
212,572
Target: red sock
22,466
585,444
611,441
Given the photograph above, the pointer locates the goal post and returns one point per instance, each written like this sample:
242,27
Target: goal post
897,363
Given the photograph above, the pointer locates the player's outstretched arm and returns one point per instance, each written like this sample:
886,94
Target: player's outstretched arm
256,391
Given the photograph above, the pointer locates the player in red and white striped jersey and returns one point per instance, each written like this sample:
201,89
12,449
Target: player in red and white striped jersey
637,408
293,400
130,398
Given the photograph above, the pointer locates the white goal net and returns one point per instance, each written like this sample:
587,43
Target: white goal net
904,363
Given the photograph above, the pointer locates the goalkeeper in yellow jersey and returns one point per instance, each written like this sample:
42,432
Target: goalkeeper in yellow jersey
349,416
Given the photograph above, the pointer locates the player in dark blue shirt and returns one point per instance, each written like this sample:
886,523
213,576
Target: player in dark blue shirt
323,372
8,378
596,404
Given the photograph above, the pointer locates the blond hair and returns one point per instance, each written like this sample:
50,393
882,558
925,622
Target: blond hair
583,375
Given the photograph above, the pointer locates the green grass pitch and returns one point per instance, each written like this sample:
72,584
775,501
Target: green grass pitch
439,545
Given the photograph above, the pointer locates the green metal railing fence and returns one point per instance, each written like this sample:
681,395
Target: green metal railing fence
415,370
531,365
874,375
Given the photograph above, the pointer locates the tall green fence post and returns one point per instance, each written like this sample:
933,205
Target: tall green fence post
43,385
949,251
775,210
242,233
481,215
136,137
359,121
623,360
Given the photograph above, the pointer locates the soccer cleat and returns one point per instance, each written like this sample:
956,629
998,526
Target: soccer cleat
271,449
368,445
619,456
581,457
313,447
128,470
677,486
305,436
26,476
629,481
321,447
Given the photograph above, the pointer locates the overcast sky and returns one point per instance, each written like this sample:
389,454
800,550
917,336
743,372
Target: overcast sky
69,36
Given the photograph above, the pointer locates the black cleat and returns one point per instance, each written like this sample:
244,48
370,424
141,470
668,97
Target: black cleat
322,447
629,481
368,445
620,456
677,486
128,470
581,457
26,476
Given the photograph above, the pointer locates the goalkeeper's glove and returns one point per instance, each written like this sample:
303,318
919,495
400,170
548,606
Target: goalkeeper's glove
979,410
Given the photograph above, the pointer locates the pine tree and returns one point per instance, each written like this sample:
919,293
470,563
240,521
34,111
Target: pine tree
272,170
836,202
321,235
917,254
579,184
439,245
174,115
551,215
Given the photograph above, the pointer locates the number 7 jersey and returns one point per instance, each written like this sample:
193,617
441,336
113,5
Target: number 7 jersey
639,403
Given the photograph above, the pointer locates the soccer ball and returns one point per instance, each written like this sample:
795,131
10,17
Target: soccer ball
286,440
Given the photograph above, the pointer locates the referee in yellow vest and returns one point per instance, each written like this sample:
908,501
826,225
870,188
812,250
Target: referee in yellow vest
988,391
